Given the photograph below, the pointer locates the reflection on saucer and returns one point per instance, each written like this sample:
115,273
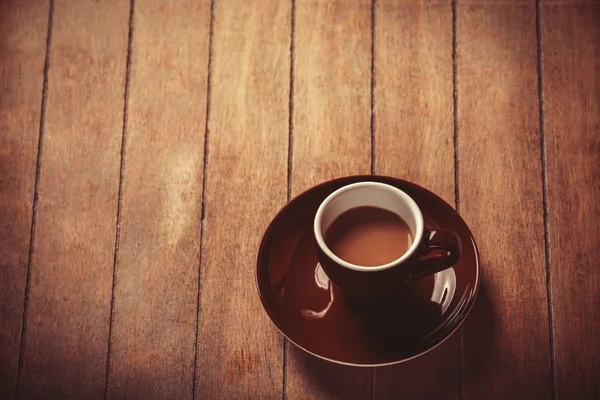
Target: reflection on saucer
321,277
444,286
323,282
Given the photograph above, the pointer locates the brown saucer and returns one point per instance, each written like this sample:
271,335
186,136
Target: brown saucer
308,310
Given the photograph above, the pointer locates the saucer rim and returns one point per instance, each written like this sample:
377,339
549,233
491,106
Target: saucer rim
356,179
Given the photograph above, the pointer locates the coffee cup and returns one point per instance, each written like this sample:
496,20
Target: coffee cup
357,226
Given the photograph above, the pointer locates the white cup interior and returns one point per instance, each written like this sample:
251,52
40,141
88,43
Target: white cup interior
372,194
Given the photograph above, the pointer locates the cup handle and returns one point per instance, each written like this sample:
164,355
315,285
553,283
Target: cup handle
448,245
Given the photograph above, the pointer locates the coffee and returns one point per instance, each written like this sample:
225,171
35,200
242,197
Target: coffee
368,236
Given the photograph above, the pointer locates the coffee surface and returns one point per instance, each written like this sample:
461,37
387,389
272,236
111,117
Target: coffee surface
368,236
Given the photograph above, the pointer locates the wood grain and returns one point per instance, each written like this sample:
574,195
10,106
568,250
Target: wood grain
23,31
571,82
71,276
240,351
332,86
153,345
331,138
414,130
506,345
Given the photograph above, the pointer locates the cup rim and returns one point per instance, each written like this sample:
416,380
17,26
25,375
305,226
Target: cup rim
412,205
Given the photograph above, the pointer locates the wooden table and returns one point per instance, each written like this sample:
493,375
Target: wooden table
145,146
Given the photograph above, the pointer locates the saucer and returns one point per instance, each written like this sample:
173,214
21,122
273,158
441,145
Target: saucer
304,305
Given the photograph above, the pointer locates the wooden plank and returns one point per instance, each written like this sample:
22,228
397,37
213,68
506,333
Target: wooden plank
414,130
571,83
71,275
331,138
240,351
414,110
156,293
23,32
506,338
331,119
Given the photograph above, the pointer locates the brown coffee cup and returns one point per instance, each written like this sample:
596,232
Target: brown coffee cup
431,250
